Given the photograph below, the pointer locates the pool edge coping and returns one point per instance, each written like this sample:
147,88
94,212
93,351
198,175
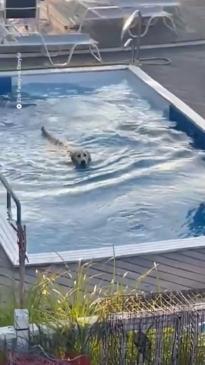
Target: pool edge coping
107,252
156,247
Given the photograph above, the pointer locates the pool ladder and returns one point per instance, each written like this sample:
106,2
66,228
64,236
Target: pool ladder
20,232
133,28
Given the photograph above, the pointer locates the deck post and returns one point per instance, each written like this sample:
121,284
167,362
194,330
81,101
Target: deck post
21,325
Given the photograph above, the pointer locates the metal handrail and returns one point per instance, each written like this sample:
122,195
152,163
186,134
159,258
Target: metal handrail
11,195
134,40
135,37
21,236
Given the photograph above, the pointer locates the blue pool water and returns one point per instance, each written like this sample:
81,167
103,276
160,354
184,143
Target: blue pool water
146,182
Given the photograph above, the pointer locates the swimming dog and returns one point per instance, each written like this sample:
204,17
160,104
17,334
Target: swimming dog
79,157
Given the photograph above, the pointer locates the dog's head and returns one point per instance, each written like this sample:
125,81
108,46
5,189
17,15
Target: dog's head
80,158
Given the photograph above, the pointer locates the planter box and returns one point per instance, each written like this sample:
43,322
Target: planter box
27,359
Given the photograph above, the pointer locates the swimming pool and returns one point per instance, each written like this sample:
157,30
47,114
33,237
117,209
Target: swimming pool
145,183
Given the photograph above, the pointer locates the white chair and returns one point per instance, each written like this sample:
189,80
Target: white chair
30,9
150,13
53,44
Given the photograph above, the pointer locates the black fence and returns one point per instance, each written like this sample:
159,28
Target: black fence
169,329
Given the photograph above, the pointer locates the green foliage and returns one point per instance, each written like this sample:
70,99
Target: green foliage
67,314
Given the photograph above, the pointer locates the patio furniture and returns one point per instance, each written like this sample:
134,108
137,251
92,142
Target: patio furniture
47,44
28,11
35,41
150,13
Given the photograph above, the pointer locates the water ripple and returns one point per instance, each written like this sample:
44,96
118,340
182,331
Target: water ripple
145,181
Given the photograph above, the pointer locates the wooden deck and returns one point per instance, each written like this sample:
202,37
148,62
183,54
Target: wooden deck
179,270
175,271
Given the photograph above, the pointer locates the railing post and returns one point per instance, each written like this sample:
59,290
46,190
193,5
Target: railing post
139,31
136,37
18,206
22,258
21,325
8,201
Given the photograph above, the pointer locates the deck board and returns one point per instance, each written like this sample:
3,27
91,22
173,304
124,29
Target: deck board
176,271
136,270
187,268
184,259
196,254
171,277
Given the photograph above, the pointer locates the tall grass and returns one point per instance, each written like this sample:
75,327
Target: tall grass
67,313
48,301
86,297
8,303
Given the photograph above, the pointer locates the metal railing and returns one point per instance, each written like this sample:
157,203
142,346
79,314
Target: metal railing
133,21
132,27
20,234
11,196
